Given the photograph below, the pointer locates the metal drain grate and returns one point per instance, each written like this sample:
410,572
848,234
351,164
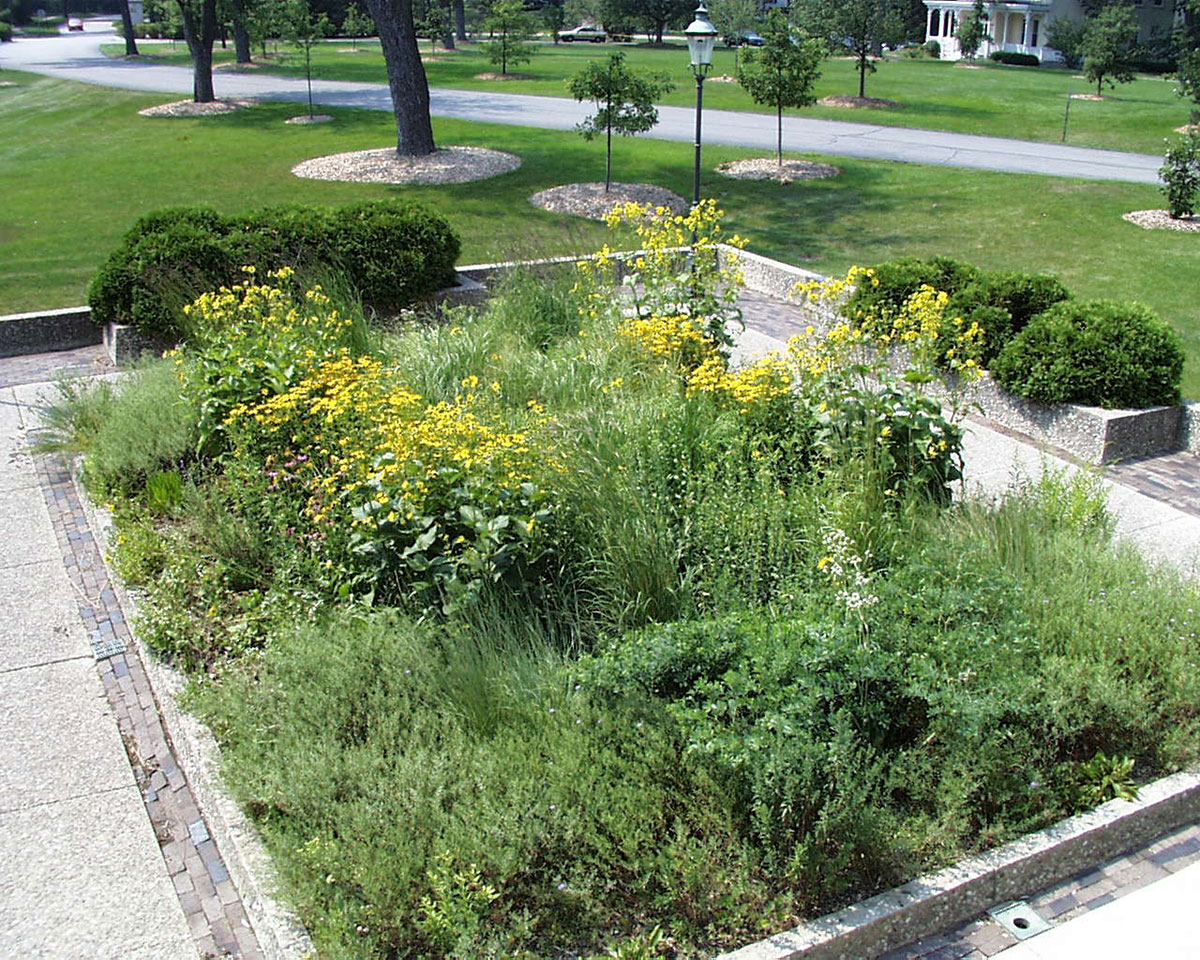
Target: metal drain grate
102,649
1019,919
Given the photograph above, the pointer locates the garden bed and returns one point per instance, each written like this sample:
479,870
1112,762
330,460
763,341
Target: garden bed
545,632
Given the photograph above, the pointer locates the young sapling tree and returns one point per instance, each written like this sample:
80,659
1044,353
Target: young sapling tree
783,72
624,101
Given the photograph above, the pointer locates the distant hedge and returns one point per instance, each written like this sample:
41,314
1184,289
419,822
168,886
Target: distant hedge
390,252
1014,59
1038,342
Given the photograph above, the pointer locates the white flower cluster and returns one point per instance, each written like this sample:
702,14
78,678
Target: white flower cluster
848,570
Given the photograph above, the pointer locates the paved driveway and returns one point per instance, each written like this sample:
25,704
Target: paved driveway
77,57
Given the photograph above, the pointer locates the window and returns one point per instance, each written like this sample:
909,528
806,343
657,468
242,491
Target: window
1033,31
935,21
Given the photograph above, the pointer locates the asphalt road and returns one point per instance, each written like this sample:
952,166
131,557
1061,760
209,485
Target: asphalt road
78,57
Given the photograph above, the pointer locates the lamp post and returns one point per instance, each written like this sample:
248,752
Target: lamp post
702,38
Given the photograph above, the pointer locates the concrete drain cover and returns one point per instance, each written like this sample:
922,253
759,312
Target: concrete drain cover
1019,919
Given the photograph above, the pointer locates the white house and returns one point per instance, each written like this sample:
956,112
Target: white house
1019,26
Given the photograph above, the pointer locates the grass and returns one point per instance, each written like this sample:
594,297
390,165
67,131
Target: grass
74,173
994,100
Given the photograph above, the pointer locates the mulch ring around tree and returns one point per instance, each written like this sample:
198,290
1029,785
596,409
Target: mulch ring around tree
870,103
1162,220
315,118
1087,96
189,108
591,201
768,168
446,165
504,76
1188,128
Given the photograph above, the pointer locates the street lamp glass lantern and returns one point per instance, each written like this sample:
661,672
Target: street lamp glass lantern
702,38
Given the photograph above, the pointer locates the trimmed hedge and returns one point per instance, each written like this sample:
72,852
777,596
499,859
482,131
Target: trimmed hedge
1004,302
391,252
899,279
1097,352
1015,59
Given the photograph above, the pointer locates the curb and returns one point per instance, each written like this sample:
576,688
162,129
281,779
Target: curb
938,901
280,934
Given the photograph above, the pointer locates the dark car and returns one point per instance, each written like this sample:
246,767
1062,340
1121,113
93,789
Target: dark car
747,39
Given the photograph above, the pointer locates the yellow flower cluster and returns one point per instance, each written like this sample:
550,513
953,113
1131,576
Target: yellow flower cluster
833,289
674,336
922,324
814,357
754,386
371,438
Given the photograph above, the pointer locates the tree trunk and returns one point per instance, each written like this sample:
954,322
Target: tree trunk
862,76
200,31
460,20
779,134
131,49
406,76
608,157
448,40
241,40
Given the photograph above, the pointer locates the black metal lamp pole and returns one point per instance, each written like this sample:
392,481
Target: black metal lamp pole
701,37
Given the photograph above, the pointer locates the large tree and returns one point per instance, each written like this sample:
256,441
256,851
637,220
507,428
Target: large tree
1187,51
624,101
653,16
406,76
784,72
131,49
200,32
1108,42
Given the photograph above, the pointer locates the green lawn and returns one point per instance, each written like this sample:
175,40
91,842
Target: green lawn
993,99
79,165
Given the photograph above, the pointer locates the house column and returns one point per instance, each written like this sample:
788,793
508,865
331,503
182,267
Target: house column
1025,35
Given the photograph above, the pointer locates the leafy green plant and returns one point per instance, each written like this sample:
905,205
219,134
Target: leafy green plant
1180,174
1105,778
451,913
1097,352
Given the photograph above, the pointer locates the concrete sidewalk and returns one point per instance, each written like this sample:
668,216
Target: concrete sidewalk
78,58
83,874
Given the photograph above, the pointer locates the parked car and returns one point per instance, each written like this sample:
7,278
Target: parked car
592,34
747,39
74,23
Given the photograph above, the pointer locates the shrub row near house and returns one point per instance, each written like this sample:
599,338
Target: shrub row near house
389,252
1036,340
1014,59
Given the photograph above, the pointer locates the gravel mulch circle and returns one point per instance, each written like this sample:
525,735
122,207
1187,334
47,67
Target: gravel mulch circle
589,199
1186,128
767,168
504,76
1087,96
236,67
447,165
315,118
723,78
189,108
870,103
1161,220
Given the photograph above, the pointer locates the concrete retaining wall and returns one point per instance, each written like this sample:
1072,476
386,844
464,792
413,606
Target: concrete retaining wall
939,901
47,331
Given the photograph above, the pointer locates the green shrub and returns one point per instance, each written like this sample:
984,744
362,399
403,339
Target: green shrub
1014,59
1097,352
1004,302
389,252
394,251
933,48
901,278
6,31
1180,175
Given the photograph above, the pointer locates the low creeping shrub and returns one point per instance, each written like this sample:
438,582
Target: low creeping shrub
1097,352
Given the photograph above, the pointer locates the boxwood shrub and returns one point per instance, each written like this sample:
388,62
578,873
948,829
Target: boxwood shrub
1014,59
901,278
1097,352
390,252
1004,302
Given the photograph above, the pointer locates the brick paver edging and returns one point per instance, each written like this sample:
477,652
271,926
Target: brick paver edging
942,900
211,901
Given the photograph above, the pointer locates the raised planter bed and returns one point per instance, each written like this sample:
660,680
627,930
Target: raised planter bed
1090,434
47,331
